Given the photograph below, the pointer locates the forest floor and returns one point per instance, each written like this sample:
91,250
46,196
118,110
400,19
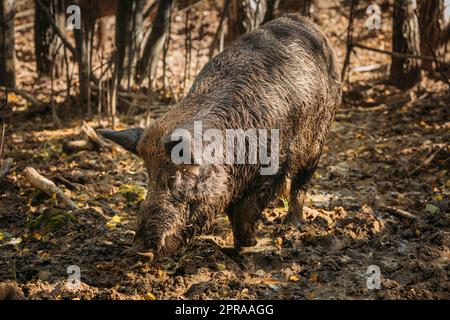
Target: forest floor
386,149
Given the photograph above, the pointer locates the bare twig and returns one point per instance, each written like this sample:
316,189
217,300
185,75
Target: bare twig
394,54
6,168
427,161
400,213
42,183
219,28
77,146
94,137
349,39
24,94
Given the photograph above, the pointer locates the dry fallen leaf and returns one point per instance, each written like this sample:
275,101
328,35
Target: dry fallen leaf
37,236
310,295
15,241
115,220
150,296
220,266
161,273
294,278
279,241
313,277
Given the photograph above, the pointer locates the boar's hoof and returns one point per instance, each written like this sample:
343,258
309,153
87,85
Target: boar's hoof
247,243
140,252
145,254
294,220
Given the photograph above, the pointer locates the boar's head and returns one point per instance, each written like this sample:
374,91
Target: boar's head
181,200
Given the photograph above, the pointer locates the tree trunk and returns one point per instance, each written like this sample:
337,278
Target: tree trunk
302,7
432,24
155,42
244,16
405,72
128,39
83,70
7,50
46,41
270,12
83,40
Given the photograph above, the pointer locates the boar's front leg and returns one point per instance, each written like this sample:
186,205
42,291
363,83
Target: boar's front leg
299,186
243,221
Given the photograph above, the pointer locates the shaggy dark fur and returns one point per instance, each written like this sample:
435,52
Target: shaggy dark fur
281,76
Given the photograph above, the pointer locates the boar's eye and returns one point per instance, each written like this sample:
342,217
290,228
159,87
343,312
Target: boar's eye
170,180
192,169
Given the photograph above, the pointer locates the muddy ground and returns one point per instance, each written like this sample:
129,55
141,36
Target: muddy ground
386,149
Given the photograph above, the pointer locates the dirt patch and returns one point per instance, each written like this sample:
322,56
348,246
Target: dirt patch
364,169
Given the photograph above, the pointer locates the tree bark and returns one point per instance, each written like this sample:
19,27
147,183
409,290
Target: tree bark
244,16
129,36
405,72
7,50
432,25
155,42
302,7
270,12
46,41
82,56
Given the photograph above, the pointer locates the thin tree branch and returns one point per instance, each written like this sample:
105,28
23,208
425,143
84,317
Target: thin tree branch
58,31
394,54
24,94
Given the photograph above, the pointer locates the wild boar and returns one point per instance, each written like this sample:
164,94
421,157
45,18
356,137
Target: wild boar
282,78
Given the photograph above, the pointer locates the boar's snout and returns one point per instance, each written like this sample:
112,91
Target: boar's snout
139,248
160,229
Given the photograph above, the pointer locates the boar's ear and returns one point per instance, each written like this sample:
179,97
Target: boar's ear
128,138
178,146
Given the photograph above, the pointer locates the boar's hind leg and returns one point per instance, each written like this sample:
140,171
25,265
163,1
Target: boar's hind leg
299,185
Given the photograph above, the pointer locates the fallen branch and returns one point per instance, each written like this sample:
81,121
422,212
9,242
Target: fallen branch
6,168
394,54
24,26
67,183
372,67
24,13
40,182
23,94
94,137
77,146
427,161
400,213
